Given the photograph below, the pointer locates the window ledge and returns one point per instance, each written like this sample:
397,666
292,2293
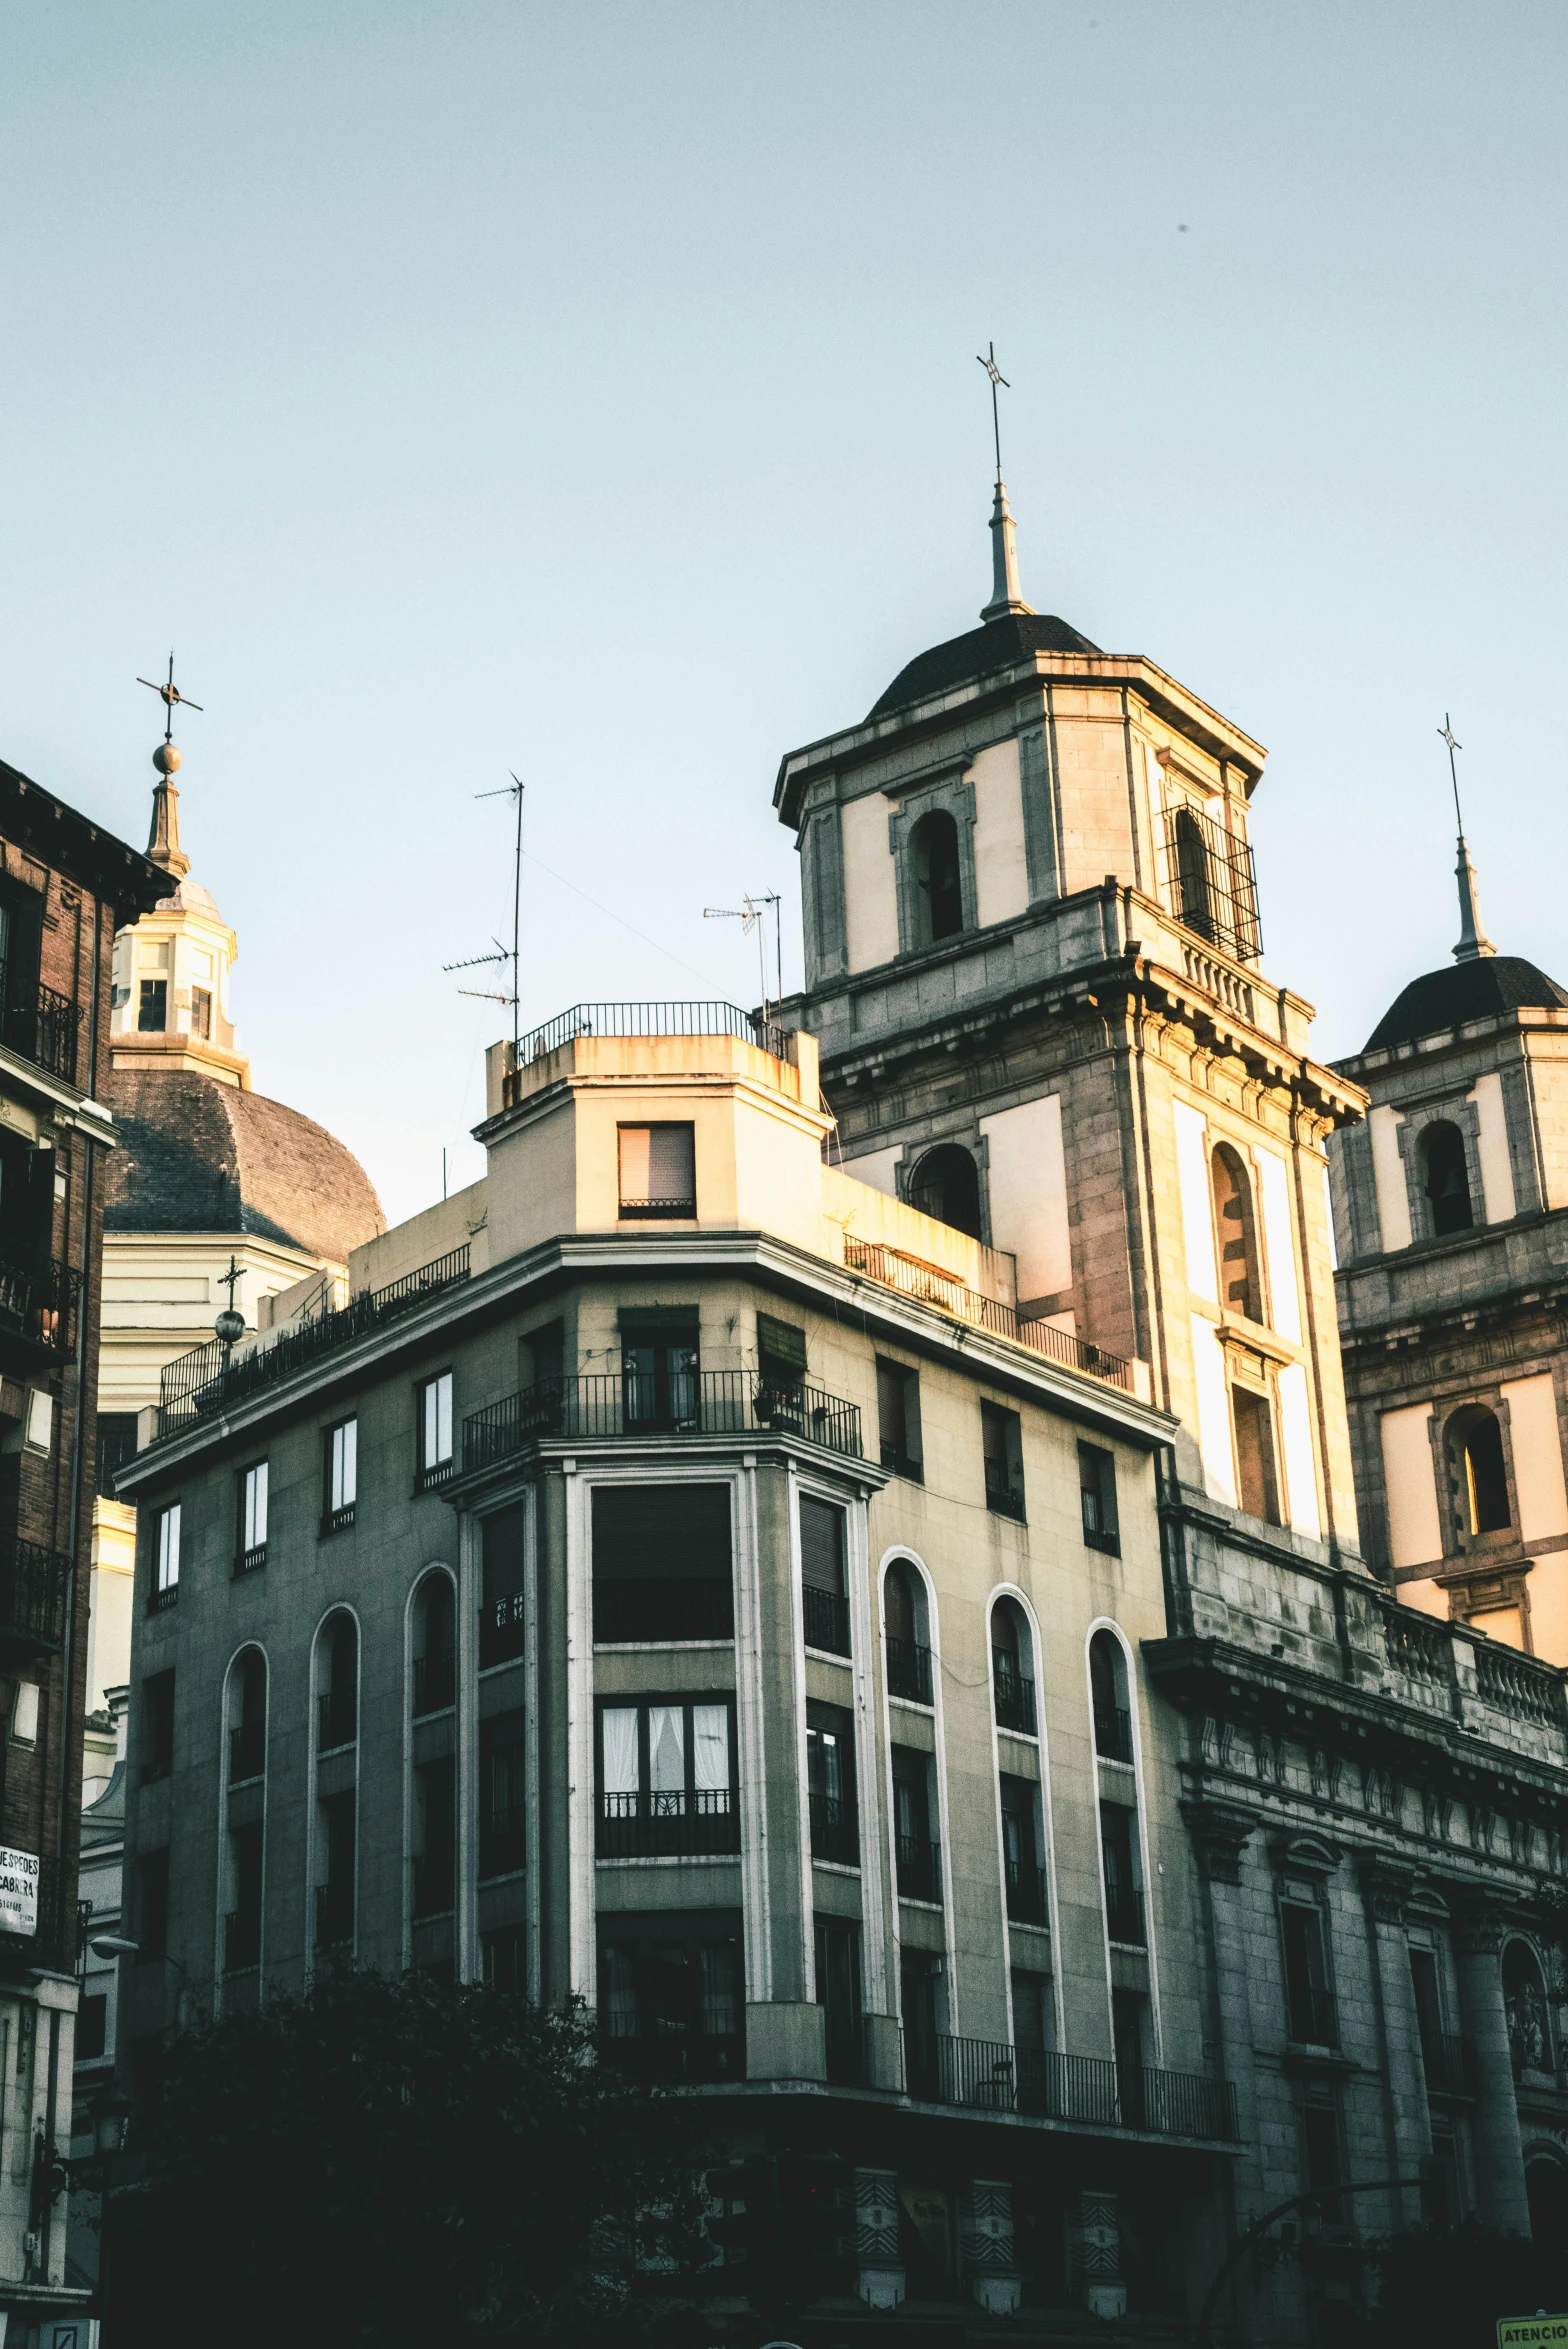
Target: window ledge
1110,1543
675,1859
651,1647
830,1656
912,1705
913,1900
502,1876
836,1867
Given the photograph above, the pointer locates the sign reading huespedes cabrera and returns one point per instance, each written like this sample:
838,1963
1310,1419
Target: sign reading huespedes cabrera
1532,2332
18,1891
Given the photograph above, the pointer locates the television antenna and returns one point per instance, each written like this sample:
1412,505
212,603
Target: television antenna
502,954
751,913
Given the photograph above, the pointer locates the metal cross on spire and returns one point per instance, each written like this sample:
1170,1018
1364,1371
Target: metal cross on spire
171,698
997,377
1445,733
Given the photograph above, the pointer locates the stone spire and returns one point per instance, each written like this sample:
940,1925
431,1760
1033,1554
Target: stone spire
1473,940
1006,596
163,842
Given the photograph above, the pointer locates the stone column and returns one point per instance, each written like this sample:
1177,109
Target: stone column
1219,1835
986,2246
879,2277
1385,1888
1499,2160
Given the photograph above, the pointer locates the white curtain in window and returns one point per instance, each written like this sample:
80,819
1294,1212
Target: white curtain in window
666,1752
710,1747
256,1507
620,1749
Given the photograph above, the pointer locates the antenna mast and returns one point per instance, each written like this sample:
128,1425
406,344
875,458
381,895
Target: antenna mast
513,790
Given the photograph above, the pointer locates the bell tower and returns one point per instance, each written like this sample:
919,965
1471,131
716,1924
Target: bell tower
1033,965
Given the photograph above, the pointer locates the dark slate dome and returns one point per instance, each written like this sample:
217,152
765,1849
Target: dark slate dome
196,1155
1479,990
1000,644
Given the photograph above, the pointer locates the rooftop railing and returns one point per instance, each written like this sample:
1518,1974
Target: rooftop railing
212,1378
655,1019
930,1285
709,1403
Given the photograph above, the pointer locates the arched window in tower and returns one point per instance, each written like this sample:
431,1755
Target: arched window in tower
1108,1691
1194,886
1012,1662
1240,1287
1478,1471
1445,1178
946,1184
939,890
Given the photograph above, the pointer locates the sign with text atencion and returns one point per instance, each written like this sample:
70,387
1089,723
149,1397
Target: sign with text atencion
1532,2332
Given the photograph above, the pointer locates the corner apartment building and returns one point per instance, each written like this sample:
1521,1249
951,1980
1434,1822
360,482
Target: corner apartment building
65,885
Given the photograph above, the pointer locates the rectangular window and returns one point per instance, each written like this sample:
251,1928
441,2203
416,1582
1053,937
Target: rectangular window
1020,1851
157,1725
436,1464
898,1418
152,1012
838,1992
671,1996
116,1445
1124,1919
667,1779
341,1475
503,1792
542,1355
658,1170
659,1372
201,1012
1256,1484
92,2027
253,1519
919,1854
825,1599
1097,1497
830,1785
1129,2012
152,1901
501,1612
661,1563
1001,1442
1034,2012
166,1583
1311,2018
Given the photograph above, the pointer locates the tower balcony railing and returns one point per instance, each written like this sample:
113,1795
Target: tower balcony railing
912,1277
695,1405
214,1377
39,1025
1210,882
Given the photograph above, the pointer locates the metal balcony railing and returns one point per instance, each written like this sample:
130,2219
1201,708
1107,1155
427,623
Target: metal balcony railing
33,1586
1210,882
212,1378
930,1285
825,1619
1014,1693
989,2076
909,1669
435,1681
835,1830
39,1025
1124,1915
677,1825
655,1019
1025,1892
708,1403
1001,1494
669,2050
1112,1732
38,1301
919,1868
629,1612
501,1630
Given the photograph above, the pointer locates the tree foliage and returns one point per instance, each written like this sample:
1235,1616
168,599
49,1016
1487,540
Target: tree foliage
390,2163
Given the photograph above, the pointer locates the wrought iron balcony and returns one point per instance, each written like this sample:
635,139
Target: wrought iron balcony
1112,1732
919,1868
1000,1492
676,1825
835,1830
909,1670
33,1586
825,1614
39,1025
1014,1693
1124,1915
630,1611
705,1403
1210,882
501,1630
38,1302
651,1019
988,2076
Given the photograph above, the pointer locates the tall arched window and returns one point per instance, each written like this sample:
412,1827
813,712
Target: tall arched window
1478,1471
248,1717
904,1629
1240,1287
336,1782
939,889
1108,1690
1012,1667
946,1184
337,1682
243,1814
435,1646
1194,889
1445,1178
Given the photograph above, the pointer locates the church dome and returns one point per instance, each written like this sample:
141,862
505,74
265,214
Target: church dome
198,1155
1478,990
1001,644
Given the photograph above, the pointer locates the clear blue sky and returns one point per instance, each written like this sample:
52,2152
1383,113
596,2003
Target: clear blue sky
590,390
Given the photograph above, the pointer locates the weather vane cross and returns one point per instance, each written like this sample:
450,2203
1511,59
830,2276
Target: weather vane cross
171,697
1445,733
988,362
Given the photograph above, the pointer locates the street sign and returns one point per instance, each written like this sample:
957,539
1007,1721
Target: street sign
18,1891
1532,2332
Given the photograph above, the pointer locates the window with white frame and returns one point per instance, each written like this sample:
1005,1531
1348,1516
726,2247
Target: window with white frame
436,1463
342,1475
253,1517
167,1586
666,1779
